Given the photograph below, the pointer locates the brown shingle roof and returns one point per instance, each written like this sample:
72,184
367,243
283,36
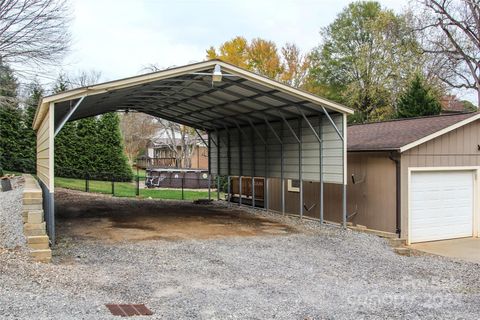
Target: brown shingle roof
394,134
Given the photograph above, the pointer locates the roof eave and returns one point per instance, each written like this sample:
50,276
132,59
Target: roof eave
163,74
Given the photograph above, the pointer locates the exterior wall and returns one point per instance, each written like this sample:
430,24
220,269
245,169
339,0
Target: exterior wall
45,136
311,199
246,145
454,149
373,195
200,158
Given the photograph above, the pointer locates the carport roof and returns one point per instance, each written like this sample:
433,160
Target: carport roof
403,134
188,96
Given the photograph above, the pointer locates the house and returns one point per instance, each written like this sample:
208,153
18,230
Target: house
416,177
450,104
161,152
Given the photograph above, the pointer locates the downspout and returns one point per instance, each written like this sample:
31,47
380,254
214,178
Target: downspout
395,157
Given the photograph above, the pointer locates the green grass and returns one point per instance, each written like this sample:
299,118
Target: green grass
128,189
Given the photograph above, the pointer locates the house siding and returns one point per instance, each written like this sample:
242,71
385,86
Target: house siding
454,149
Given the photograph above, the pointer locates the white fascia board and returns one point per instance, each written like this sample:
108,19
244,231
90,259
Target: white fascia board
439,133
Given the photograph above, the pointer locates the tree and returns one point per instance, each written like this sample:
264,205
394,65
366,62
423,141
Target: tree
91,146
451,34
137,130
365,56
33,31
12,155
418,100
234,51
288,65
29,136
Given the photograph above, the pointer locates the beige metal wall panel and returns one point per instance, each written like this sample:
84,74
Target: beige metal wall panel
45,137
458,148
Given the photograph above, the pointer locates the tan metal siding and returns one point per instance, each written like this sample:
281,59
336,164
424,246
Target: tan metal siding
45,150
311,199
456,148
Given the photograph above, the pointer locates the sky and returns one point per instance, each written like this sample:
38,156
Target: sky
121,38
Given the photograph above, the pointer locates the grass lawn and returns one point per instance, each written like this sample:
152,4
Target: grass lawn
128,189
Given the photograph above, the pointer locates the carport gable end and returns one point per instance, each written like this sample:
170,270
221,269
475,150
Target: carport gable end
243,102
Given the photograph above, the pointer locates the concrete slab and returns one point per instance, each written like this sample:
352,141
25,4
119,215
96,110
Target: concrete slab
467,249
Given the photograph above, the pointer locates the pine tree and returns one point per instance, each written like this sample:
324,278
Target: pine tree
418,100
12,155
92,146
111,156
29,136
66,143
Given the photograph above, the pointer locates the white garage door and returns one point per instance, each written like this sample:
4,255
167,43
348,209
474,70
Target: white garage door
441,204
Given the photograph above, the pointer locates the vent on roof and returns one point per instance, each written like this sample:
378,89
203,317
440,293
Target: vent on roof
128,310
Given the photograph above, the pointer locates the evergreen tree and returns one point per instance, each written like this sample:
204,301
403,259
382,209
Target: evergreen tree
12,155
111,157
66,161
29,135
418,100
92,146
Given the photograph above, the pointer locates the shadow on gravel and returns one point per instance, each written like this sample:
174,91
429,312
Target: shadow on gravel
99,217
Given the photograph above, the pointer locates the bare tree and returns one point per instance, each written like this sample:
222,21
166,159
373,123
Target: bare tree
137,130
451,34
84,78
181,141
33,31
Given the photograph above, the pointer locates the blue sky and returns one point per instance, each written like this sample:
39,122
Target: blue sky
119,38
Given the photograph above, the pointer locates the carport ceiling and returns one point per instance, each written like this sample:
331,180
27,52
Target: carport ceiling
188,96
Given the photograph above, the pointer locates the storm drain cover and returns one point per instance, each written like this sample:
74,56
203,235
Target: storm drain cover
128,310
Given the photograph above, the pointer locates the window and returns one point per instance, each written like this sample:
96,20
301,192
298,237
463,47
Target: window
293,185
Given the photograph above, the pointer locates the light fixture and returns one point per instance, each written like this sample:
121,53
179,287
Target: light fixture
217,74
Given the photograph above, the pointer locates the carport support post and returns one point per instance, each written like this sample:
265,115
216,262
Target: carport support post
282,169
209,166
228,189
253,169
321,166
240,156
344,160
218,165
300,164
265,145
239,190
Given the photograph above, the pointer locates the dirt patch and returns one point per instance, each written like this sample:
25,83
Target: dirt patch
82,215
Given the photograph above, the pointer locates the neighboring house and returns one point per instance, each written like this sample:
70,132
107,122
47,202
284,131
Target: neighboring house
160,151
416,176
450,104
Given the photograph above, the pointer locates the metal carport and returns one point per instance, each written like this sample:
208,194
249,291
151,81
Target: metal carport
256,126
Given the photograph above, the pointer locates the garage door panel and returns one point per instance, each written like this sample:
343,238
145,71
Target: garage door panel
441,204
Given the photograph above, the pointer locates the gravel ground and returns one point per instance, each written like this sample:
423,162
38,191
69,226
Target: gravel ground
11,224
318,273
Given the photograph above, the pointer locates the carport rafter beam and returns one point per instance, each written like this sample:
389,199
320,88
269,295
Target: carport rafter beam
333,123
310,125
257,132
273,131
68,116
289,127
200,136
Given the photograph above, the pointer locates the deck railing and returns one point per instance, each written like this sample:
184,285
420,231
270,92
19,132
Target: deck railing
145,163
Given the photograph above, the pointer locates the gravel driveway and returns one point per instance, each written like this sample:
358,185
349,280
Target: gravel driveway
315,273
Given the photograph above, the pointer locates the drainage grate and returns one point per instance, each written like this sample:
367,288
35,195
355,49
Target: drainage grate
127,310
